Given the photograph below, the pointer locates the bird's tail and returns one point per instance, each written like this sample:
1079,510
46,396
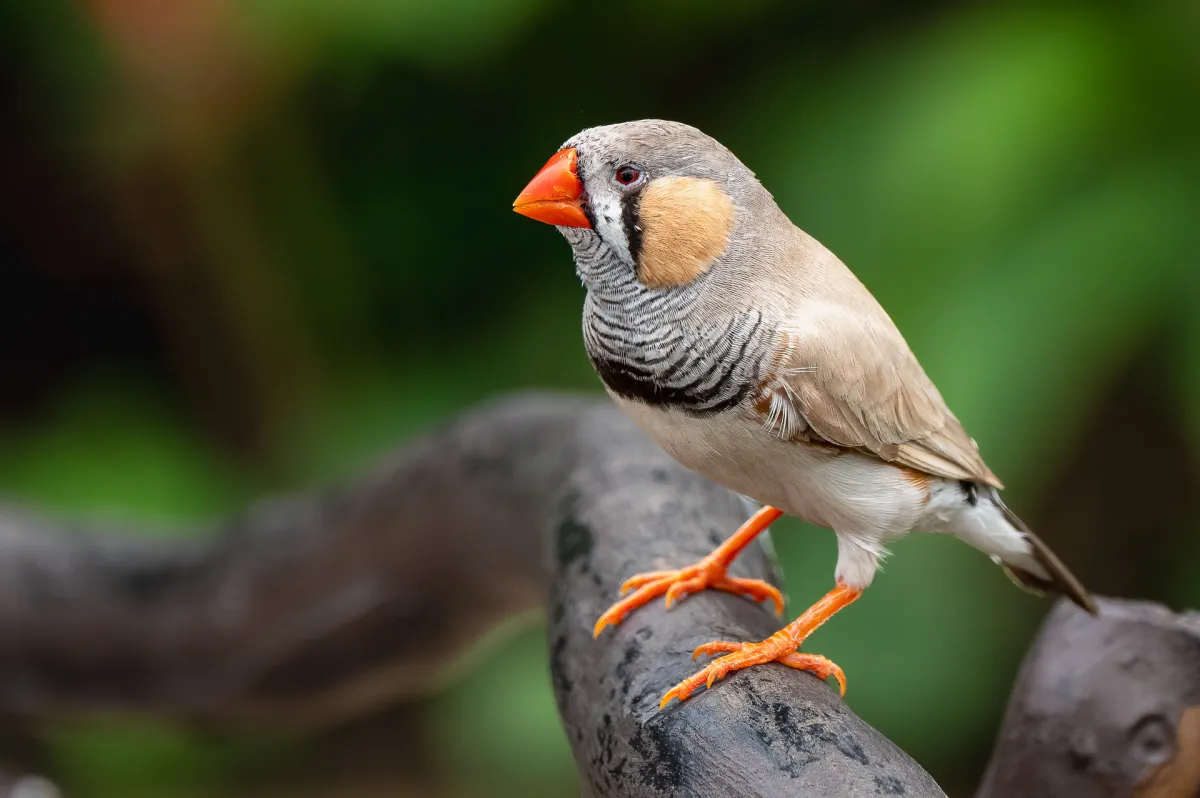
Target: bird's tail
1056,578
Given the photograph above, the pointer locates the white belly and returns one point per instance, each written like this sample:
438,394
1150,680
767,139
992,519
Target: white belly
851,493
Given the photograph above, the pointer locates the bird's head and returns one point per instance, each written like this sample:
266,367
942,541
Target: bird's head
661,198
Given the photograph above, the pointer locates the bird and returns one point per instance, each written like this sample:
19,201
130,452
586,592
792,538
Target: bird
750,353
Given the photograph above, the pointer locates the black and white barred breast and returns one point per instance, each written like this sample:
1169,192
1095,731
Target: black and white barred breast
646,347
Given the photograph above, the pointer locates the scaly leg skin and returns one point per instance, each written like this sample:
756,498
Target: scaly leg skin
779,647
708,573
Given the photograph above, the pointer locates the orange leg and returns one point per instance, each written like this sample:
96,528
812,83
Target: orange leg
779,647
709,572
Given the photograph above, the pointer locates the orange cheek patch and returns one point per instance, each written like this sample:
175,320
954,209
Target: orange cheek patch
685,223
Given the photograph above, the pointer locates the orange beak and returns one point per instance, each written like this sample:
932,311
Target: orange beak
553,194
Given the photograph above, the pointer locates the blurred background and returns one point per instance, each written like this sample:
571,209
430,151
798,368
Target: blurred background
248,246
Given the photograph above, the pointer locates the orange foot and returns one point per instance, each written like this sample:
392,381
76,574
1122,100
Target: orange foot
779,647
708,573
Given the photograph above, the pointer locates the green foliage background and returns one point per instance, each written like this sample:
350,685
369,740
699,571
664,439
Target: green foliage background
246,246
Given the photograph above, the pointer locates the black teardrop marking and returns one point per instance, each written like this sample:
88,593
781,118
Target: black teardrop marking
630,204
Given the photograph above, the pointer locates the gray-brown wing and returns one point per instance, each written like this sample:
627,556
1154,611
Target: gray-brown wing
855,382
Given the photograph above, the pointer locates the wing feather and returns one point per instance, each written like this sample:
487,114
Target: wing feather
853,379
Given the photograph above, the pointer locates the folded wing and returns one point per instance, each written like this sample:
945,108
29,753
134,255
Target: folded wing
857,385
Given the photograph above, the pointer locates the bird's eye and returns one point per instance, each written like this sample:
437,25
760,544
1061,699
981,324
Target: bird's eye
627,175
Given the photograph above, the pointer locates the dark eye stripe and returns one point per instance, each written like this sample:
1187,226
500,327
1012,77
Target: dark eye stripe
632,222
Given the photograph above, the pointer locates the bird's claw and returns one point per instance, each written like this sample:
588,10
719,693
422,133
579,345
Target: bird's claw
637,580
674,585
744,655
717,647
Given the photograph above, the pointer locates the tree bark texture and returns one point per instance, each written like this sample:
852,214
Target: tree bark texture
1104,706
311,610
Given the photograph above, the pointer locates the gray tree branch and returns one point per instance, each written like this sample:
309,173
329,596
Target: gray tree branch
314,609
1104,707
